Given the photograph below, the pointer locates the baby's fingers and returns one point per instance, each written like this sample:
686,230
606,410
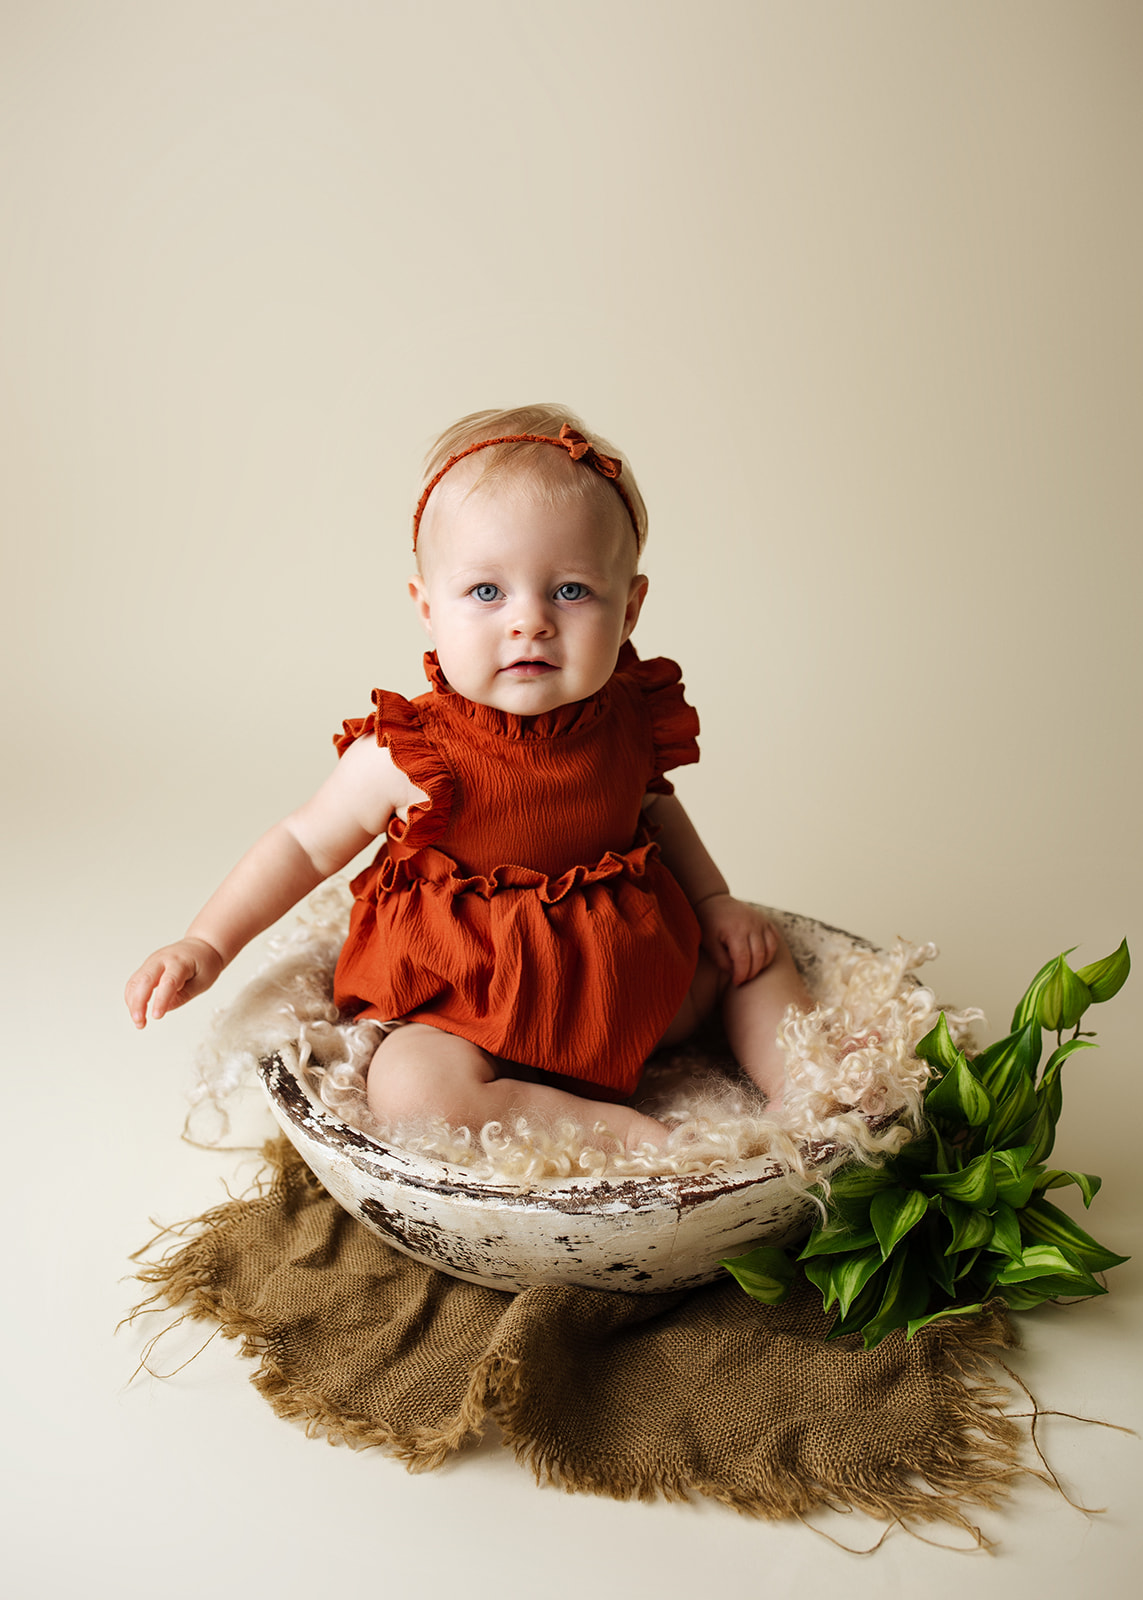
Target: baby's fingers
720,953
160,981
769,942
759,950
169,990
743,965
140,986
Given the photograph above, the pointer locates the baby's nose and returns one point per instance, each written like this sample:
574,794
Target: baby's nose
532,617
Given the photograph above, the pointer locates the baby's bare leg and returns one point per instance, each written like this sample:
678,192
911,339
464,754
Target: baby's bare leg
699,1001
421,1071
752,1014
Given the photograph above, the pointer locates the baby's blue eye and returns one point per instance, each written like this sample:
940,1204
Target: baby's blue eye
571,591
485,591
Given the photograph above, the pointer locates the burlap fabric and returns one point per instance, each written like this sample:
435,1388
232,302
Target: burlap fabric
700,1391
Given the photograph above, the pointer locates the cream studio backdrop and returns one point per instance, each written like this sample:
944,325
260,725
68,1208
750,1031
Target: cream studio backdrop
855,287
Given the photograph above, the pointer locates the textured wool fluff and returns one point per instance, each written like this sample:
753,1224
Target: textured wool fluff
854,1081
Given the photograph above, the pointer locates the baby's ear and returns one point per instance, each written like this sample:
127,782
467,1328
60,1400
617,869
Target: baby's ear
635,598
418,594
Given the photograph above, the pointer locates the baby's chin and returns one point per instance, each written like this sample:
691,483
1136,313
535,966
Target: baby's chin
530,695
531,692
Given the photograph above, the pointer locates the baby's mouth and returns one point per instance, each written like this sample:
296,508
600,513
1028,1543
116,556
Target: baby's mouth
529,667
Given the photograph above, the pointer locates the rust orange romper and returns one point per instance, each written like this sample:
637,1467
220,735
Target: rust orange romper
524,906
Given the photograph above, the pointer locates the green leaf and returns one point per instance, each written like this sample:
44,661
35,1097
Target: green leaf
906,1297
1059,1055
818,1273
1006,1232
1028,1009
1015,1178
1039,1261
834,1238
974,1185
1045,1223
856,1181
1015,1161
971,1229
891,1284
1105,978
849,1192
968,1265
765,1273
958,1097
1055,1178
894,1213
863,1307
1026,1296
849,1275
1040,1130
1063,998
937,1047
943,1152
1007,1121
1009,1061
915,1324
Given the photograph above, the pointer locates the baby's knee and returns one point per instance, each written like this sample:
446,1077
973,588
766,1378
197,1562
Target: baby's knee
393,1088
419,1071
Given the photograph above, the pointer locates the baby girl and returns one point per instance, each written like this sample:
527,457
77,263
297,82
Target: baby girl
542,913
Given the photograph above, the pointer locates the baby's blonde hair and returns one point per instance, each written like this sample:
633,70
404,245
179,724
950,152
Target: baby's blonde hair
502,463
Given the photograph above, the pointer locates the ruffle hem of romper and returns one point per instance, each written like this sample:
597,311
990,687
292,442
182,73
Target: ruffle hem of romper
429,866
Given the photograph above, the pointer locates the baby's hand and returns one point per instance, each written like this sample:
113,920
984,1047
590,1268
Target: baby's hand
742,941
173,975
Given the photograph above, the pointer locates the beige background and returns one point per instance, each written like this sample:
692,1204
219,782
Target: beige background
857,288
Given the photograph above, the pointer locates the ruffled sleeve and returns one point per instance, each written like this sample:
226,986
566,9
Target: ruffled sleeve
395,723
674,723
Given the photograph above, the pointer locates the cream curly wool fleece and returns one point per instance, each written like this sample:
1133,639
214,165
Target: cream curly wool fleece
853,1078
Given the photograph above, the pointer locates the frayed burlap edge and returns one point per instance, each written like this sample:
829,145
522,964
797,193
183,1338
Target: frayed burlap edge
183,1281
975,1465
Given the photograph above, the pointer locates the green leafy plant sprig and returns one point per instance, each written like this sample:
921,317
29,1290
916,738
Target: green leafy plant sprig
959,1215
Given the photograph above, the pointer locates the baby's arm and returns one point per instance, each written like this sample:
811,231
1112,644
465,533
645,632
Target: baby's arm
740,939
354,805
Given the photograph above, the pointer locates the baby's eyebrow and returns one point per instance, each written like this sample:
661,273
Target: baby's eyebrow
582,570
482,573
491,571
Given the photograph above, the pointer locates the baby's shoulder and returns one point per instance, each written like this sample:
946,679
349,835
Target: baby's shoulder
391,745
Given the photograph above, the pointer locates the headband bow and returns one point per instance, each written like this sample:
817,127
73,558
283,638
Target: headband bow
580,450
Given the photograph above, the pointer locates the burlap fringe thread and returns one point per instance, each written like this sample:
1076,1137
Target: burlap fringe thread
971,1461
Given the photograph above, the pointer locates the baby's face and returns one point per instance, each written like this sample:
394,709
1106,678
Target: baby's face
527,603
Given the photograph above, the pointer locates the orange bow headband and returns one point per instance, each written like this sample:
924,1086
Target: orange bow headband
574,443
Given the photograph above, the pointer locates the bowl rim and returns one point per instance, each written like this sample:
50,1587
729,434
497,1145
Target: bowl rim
317,1125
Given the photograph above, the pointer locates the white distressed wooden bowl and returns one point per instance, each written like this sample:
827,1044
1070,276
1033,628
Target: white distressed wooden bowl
643,1235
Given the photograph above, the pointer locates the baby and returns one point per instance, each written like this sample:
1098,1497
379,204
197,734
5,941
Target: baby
542,914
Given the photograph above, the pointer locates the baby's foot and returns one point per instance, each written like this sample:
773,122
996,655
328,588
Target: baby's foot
641,1131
